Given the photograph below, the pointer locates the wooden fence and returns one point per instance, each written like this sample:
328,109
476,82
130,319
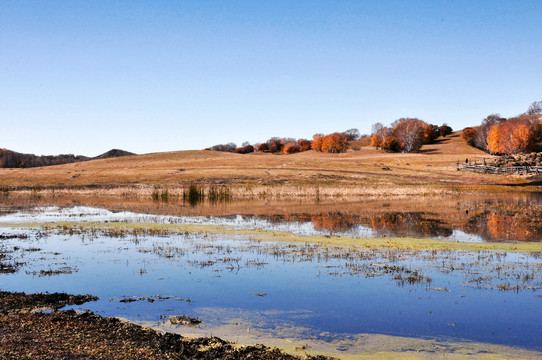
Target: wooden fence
488,169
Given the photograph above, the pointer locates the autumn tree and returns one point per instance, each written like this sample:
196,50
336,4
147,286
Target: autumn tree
430,133
468,135
480,139
332,143
445,130
335,143
263,147
317,141
409,134
304,144
385,140
376,140
290,148
275,144
245,149
517,135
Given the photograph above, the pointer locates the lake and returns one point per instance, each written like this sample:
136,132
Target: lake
252,291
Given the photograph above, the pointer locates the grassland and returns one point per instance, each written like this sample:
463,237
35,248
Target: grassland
355,174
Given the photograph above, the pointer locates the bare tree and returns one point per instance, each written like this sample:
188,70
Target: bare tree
535,108
376,128
229,147
352,134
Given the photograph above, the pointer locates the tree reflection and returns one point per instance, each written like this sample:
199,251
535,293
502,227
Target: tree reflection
519,225
409,224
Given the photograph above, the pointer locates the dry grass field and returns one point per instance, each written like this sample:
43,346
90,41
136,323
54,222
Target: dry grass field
355,174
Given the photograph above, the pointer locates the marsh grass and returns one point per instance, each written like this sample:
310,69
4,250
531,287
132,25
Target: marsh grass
120,229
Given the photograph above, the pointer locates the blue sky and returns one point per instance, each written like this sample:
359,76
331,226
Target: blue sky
146,76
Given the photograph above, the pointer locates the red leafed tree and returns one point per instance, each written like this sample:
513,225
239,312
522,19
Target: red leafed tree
275,144
263,147
304,145
245,149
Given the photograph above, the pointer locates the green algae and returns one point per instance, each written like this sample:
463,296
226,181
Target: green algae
279,236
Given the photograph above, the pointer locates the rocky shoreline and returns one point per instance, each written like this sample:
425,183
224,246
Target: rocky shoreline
65,334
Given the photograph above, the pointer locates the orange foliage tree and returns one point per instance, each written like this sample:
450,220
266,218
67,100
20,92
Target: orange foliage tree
480,138
317,141
524,138
290,148
430,133
335,143
468,135
332,143
376,140
304,145
517,135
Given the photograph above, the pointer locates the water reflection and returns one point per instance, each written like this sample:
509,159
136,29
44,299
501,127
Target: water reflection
500,217
501,223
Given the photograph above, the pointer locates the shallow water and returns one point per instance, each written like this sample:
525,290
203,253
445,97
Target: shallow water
504,218
318,292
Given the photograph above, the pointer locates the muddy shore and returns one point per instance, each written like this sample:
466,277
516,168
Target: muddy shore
65,334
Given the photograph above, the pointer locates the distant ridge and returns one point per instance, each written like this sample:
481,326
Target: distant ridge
12,159
113,153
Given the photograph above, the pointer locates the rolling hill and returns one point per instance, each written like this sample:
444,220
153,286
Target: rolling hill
356,173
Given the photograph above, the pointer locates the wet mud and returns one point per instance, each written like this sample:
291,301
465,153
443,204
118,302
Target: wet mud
70,335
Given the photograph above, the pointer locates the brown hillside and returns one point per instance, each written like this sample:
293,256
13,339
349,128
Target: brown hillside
356,171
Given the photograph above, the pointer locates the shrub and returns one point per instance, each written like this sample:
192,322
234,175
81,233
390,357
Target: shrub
468,135
290,148
229,147
263,147
245,149
445,130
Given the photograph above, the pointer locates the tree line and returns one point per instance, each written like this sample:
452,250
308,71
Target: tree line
336,142
12,159
498,135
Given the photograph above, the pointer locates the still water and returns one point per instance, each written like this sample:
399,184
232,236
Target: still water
308,291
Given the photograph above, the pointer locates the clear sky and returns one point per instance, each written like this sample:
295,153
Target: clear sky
83,77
